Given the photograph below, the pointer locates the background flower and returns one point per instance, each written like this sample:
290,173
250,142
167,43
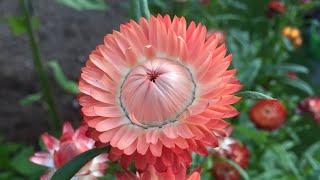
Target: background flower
71,143
268,114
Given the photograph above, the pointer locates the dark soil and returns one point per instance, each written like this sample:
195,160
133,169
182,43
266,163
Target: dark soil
65,35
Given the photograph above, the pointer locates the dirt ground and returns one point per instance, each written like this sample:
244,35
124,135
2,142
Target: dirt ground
66,35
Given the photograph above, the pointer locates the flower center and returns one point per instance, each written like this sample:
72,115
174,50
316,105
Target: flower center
156,92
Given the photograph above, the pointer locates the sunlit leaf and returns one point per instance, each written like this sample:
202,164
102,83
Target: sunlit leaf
254,95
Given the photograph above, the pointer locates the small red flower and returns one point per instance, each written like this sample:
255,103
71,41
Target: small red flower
268,114
235,151
292,75
311,105
205,2
224,171
275,7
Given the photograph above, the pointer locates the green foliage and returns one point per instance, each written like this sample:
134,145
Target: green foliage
15,164
73,166
61,79
85,4
18,24
29,99
254,95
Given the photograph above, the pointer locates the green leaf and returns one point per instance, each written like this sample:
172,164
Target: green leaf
289,68
242,172
18,26
61,79
248,74
254,95
297,83
21,163
73,166
259,137
29,99
85,4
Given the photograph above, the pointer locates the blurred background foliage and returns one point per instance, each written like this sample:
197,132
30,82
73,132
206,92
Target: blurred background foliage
263,57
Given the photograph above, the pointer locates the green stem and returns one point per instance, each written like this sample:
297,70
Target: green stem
44,81
145,9
140,9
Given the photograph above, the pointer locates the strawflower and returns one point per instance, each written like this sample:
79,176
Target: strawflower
156,91
311,105
268,114
232,150
59,152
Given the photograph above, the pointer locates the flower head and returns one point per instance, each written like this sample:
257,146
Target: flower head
157,90
293,34
224,171
71,143
235,151
311,105
275,7
268,114
152,173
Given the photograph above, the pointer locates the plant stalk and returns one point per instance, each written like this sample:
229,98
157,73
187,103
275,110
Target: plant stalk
44,80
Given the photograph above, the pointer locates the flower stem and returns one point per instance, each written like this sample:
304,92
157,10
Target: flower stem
44,81
140,9
145,9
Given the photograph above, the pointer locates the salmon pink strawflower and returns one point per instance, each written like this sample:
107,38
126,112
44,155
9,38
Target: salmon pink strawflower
72,143
156,91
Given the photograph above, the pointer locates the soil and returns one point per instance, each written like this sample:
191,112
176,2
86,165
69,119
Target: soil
65,35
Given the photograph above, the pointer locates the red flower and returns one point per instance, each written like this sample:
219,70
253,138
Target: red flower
268,114
275,7
292,75
235,151
311,105
224,171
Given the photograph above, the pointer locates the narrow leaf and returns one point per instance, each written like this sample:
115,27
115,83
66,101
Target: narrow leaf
254,95
242,172
298,83
73,166
31,98
61,79
290,67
